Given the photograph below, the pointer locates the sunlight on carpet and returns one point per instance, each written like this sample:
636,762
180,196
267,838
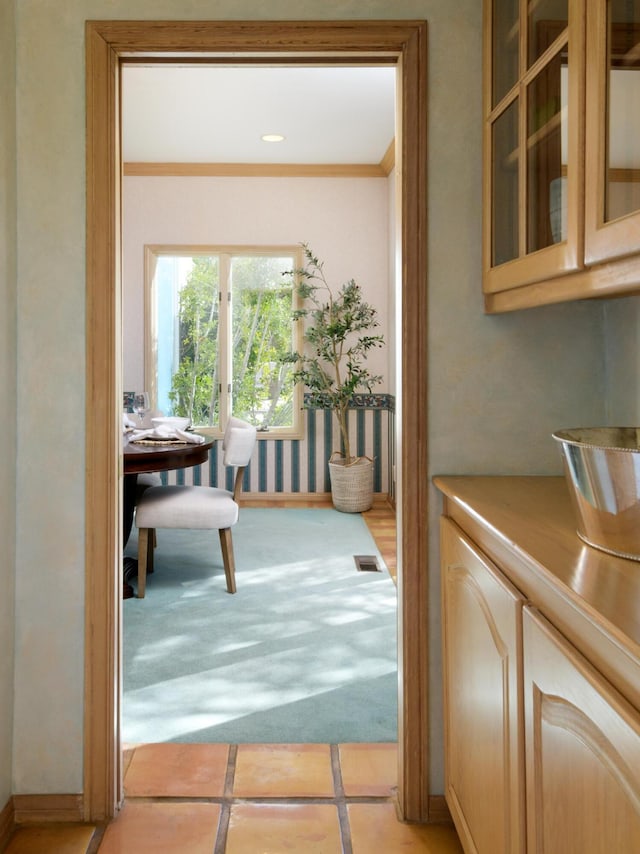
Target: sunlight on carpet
305,651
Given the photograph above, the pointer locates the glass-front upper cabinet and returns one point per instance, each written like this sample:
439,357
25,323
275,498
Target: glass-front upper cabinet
612,190
505,48
533,92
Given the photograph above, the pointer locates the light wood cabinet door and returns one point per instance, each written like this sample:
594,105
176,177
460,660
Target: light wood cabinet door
582,751
533,141
484,771
561,151
612,188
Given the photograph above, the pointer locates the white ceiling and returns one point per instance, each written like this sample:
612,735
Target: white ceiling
201,114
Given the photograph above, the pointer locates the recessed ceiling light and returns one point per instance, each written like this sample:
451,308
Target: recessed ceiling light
272,137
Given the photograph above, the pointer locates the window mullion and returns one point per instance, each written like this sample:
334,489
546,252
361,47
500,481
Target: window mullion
225,363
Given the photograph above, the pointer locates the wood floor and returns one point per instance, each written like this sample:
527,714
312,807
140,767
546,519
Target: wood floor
381,521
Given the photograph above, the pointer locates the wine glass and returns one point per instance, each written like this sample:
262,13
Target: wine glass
141,404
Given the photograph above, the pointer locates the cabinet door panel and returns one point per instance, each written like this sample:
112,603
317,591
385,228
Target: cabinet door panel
483,721
612,189
535,232
582,751
504,47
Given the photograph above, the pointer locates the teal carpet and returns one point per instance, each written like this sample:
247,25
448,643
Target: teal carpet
305,651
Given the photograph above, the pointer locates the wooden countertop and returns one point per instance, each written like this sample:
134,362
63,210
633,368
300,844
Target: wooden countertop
527,524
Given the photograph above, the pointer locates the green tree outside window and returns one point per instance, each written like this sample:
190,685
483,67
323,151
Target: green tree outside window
232,325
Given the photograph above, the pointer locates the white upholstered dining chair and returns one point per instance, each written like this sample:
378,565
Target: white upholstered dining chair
197,507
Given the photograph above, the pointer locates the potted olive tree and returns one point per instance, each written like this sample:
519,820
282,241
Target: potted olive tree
338,335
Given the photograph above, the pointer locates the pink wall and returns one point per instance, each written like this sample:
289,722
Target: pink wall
344,220
347,223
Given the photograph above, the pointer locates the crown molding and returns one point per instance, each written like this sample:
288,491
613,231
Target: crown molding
257,170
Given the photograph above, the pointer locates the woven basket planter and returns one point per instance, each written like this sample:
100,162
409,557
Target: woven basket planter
351,486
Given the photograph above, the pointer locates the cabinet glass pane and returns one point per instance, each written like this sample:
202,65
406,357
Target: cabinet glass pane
506,30
547,19
547,155
622,185
504,183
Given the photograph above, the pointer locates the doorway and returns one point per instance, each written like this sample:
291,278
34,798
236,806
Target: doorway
352,41
198,176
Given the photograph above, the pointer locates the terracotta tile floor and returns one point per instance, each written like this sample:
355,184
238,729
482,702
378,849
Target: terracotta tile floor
251,799
255,799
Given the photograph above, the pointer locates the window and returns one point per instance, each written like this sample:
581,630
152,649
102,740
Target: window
218,322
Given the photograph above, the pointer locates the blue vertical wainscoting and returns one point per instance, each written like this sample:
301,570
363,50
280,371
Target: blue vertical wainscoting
290,466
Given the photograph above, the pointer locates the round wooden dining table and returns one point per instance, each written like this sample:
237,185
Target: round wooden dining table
152,456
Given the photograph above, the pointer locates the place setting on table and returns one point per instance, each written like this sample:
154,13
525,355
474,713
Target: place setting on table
164,430
150,445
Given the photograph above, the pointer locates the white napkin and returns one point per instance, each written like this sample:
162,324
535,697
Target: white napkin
127,423
164,432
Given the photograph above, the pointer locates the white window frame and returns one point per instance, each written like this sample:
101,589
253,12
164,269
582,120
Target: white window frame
225,254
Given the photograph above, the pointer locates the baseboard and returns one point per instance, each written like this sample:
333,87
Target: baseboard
438,810
251,499
383,499
33,809
7,824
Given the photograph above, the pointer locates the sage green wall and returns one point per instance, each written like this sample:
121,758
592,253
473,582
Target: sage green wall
498,385
622,362
7,387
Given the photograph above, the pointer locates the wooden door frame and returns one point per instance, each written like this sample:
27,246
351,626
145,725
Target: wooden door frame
107,43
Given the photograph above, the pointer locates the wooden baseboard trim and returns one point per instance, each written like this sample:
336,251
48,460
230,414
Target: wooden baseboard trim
248,499
34,809
257,499
438,810
384,500
7,824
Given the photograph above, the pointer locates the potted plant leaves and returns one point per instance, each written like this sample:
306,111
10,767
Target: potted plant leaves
338,334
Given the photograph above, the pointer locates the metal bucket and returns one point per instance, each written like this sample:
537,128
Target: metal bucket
602,467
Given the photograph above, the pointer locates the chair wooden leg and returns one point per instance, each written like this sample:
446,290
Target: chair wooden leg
151,544
228,560
143,555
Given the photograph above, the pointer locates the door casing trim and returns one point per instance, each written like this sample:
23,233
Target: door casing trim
107,44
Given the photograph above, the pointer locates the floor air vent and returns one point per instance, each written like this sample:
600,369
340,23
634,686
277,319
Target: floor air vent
366,563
